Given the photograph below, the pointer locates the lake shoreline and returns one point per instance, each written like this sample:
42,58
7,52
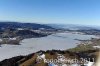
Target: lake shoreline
27,46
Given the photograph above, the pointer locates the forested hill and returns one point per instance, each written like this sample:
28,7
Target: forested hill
23,25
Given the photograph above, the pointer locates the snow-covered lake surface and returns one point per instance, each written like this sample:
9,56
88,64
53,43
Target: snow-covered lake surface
60,41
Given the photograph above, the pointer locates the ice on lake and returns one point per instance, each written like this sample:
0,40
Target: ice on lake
60,41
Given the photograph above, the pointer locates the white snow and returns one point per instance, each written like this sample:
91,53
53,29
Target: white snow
89,64
41,56
96,47
12,38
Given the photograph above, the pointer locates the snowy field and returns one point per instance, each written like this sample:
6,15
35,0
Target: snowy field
60,41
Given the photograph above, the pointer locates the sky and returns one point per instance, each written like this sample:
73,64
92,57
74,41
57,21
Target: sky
85,12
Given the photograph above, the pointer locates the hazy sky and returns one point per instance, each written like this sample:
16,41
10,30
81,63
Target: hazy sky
86,12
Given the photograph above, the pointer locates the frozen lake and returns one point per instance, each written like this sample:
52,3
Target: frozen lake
60,41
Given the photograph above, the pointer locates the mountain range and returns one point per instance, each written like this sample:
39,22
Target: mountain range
23,25
73,26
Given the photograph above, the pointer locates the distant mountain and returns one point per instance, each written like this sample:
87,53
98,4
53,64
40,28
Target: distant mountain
23,25
71,26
